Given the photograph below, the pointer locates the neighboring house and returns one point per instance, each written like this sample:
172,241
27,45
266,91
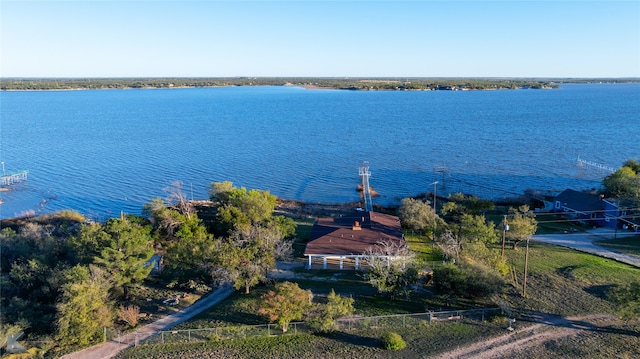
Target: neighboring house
583,207
595,210
345,240
620,217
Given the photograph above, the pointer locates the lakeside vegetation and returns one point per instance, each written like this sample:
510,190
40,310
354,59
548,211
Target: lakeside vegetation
65,279
368,84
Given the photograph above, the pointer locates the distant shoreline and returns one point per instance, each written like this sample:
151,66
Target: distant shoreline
357,83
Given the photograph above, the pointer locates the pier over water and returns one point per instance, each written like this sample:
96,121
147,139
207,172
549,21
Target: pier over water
11,178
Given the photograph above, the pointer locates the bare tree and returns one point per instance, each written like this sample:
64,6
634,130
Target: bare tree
391,267
450,244
178,199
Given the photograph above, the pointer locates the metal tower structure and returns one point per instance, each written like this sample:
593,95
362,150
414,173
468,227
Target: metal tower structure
366,191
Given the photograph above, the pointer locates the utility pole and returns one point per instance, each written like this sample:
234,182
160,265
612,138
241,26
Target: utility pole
505,228
434,195
526,263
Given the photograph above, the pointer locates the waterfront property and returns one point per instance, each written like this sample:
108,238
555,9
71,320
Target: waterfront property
342,242
582,207
595,210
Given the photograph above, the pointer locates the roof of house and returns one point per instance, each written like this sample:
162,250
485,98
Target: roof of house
580,201
352,234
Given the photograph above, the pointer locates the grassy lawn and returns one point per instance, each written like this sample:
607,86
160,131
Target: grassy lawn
421,341
551,223
566,282
303,231
560,281
626,245
424,248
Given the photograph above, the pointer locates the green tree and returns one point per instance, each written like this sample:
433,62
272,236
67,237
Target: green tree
198,252
237,206
624,183
128,248
469,204
476,229
522,225
323,318
286,303
32,289
634,164
391,268
87,243
84,309
165,221
250,252
469,281
419,216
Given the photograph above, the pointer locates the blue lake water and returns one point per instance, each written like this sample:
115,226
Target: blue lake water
104,151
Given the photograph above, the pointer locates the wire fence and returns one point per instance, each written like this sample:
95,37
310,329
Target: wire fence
272,330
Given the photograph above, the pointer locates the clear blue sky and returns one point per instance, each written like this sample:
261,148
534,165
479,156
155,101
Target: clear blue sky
323,38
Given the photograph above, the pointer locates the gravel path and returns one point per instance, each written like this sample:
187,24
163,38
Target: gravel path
111,348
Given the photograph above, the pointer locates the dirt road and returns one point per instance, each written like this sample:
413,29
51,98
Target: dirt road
548,327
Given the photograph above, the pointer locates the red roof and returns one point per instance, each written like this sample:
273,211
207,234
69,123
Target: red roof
352,234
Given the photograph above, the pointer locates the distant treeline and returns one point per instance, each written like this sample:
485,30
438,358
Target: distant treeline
324,82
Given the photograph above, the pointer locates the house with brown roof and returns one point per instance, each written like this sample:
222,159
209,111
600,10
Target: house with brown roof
345,240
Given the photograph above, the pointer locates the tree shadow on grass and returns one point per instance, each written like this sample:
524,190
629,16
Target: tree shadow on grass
584,325
560,321
567,271
353,339
600,291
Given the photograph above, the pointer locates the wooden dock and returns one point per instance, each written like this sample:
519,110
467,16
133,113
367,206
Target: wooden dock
11,178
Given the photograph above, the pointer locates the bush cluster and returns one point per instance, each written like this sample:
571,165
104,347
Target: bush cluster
466,281
393,341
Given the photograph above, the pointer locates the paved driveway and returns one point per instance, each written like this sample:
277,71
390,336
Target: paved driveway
112,348
583,241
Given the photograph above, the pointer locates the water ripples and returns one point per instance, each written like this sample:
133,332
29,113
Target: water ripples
102,152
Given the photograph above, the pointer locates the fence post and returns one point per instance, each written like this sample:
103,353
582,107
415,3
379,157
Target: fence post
162,334
295,328
189,333
104,336
404,321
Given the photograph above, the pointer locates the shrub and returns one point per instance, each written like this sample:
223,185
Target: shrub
393,341
129,314
449,279
467,281
322,319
